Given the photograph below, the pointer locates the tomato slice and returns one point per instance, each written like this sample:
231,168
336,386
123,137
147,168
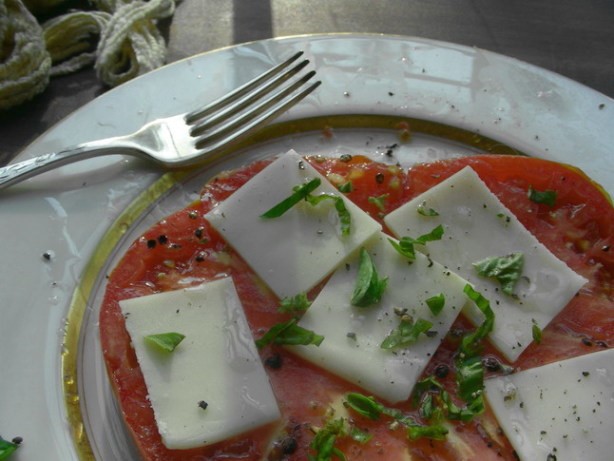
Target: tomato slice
183,248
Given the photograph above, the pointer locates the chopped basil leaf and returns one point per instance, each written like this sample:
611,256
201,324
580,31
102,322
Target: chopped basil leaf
346,187
427,408
424,211
369,287
436,303
372,409
433,431
547,197
344,215
299,193
537,333
166,342
428,384
406,333
289,333
323,442
297,303
363,405
467,413
470,378
359,435
469,343
405,246
345,219
7,448
436,402
379,202
469,365
505,269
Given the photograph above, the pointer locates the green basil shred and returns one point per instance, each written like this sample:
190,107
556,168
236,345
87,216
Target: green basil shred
299,193
303,192
436,303
379,201
369,287
547,197
7,448
405,246
505,269
165,342
346,187
370,408
406,333
342,212
289,333
297,303
323,444
424,211
536,331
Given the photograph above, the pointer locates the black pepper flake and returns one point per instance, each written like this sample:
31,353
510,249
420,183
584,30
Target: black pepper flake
202,404
289,445
151,243
198,233
605,248
379,178
442,370
491,364
162,239
587,342
345,158
274,361
17,440
47,255
200,257
585,373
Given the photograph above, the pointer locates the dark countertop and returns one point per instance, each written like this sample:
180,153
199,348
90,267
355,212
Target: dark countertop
569,37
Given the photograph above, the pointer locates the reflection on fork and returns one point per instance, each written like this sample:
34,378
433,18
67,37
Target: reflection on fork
192,137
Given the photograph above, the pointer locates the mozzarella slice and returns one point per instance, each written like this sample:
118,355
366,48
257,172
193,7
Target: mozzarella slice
559,411
477,226
353,335
216,363
295,251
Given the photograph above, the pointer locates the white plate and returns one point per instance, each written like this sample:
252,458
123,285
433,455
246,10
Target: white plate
66,213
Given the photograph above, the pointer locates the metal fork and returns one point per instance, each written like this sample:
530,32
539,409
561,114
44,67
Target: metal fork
187,139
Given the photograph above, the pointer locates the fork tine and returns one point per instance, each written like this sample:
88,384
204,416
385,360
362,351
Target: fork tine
248,99
191,117
257,116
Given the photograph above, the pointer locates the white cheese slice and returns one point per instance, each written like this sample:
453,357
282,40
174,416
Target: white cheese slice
562,409
295,251
216,363
353,335
477,226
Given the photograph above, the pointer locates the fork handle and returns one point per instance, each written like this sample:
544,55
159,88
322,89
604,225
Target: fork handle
20,171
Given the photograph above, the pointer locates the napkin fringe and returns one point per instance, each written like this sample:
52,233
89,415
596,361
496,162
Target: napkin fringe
121,40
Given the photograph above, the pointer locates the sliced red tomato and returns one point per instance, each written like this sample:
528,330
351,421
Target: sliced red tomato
183,248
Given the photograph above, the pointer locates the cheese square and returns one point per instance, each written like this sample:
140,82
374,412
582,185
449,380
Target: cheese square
216,365
295,251
353,335
477,226
562,409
